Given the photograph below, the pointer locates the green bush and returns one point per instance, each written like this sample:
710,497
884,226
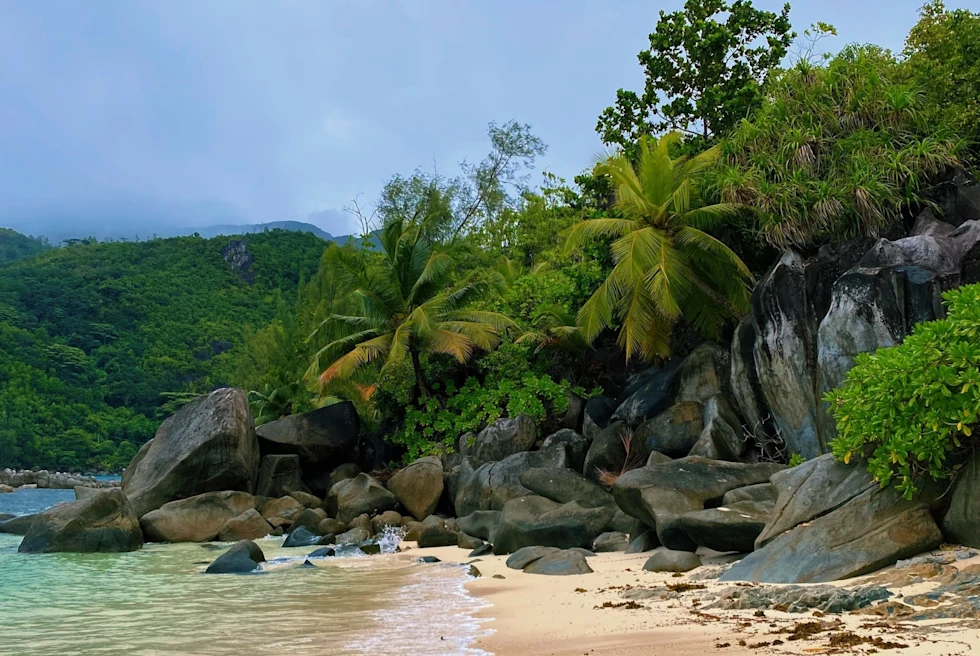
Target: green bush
910,410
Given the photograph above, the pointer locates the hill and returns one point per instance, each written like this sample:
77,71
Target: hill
293,226
14,245
97,339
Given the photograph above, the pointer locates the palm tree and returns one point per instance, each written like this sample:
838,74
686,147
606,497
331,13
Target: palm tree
404,308
665,265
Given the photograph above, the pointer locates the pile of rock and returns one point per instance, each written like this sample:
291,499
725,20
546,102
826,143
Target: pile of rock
43,479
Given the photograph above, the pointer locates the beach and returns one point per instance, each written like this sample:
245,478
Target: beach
588,615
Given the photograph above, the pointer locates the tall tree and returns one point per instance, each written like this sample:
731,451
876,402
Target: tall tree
666,265
704,71
406,308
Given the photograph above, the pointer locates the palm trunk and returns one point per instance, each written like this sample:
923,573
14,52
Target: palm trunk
421,386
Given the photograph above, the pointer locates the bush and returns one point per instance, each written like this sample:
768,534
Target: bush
910,410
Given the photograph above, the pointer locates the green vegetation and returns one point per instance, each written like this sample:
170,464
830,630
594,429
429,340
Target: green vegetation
14,246
93,335
910,409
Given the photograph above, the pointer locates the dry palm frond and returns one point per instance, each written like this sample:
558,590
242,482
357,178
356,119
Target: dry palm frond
634,460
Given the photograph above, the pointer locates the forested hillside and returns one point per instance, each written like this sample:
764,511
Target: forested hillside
99,341
14,245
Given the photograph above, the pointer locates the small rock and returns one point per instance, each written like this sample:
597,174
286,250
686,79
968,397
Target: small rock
323,552
301,537
428,559
611,541
484,549
306,499
331,525
353,536
242,558
562,563
527,555
645,541
498,576
437,536
667,560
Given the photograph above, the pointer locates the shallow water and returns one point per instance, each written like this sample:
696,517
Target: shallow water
157,601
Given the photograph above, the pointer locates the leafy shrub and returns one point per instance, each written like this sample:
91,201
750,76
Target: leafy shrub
911,409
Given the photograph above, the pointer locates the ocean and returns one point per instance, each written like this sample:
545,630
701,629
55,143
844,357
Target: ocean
157,601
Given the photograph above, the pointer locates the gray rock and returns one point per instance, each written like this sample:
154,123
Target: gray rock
17,525
565,486
527,555
535,520
620,523
208,445
596,416
728,528
649,394
856,528
353,536
608,452
465,541
660,494
197,519
796,599
310,520
306,499
495,483
103,523
504,437
485,549
419,486
86,492
646,541
705,373
301,537
573,412
562,563
482,523
437,536
342,473
611,541
657,458
722,437
278,476
666,560
323,437
962,522
361,494
576,445
243,558
762,492
323,552
248,526
675,431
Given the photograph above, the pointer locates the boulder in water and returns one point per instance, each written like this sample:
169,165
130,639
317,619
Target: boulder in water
247,526
301,537
17,525
197,519
103,523
209,445
353,536
243,558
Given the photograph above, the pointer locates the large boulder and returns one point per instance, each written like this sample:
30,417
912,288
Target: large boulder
361,494
17,525
419,486
574,412
198,519
608,451
323,437
721,438
833,521
207,446
962,522
567,562
673,432
648,394
243,557
576,445
279,475
248,526
565,486
597,415
103,523
537,521
281,512
481,524
727,528
500,439
493,484
660,495
705,373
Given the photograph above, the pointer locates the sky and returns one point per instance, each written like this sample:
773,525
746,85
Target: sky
195,112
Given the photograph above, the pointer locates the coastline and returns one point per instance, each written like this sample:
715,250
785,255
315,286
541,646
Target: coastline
534,615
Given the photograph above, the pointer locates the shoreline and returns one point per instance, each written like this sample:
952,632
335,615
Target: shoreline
535,615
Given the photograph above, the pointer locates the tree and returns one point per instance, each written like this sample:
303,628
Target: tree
405,308
837,151
704,71
943,57
666,265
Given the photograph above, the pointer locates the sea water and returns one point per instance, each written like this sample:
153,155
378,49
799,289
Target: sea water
158,601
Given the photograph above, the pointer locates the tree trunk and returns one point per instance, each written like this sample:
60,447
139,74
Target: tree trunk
421,386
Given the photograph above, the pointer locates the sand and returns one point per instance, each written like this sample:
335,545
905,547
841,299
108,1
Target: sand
534,615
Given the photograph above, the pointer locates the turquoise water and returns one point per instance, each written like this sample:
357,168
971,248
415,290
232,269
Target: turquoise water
157,601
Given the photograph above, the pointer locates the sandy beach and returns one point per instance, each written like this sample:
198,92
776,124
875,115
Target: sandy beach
588,615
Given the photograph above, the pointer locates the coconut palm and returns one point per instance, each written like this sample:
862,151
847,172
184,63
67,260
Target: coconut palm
404,308
666,266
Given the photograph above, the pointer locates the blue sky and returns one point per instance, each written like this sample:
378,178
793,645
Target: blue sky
207,111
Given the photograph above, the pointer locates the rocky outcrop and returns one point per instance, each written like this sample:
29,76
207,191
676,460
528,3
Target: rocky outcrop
419,486
278,476
322,438
495,483
243,558
833,521
361,494
45,479
537,521
660,495
675,431
209,445
962,522
103,523
197,519
502,438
